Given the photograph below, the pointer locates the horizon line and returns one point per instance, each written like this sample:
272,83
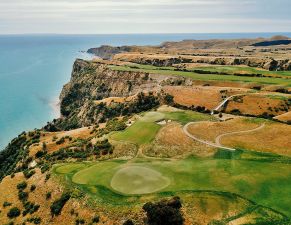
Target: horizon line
245,32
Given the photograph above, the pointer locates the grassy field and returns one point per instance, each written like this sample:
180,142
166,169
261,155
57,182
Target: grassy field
244,69
206,77
144,130
266,183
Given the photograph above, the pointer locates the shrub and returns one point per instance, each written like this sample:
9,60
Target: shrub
40,154
95,219
32,187
44,168
169,99
21,186
128,222
35,220
47,177
61,141
23,196
30,208
235,112
6,204
44,147
79,221
28,173
57,206
48,195
164,212
12,154
13,212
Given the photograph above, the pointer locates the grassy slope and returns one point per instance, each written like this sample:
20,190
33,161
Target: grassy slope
263,182
145,129
240,69
206,77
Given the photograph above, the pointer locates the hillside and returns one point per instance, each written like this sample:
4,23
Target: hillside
191,132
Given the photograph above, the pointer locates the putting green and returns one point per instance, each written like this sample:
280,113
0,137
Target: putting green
152,117
138,180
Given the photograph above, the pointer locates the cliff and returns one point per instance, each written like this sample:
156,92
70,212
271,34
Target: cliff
94,81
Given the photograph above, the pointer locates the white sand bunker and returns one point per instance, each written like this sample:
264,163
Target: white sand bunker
138,180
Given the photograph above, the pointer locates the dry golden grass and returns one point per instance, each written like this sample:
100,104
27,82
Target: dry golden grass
208,97
136,56
274,137
171,141
47,137
9,193
257,104
286,117
210,130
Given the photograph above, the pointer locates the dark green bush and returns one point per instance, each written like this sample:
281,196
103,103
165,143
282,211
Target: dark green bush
28,173
79,221
61,141
13,212
40,154
35,220
6,204
128,222
164,212
48,195
30,208
95,219
22,196
57,205
32,187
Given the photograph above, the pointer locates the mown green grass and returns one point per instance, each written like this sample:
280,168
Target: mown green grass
207,77
139,133
150,67
239,69
266,183
144,130
71,168
185,117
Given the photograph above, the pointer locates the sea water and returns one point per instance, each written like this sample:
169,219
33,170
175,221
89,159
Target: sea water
33,69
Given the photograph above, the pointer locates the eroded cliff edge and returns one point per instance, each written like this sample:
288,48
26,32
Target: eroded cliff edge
91,82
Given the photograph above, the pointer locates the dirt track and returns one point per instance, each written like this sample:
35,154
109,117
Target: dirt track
217,143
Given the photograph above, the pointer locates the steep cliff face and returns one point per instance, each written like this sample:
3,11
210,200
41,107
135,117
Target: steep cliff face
95,81
106,51
92,81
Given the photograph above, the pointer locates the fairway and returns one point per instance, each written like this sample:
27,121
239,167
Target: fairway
207,77
266,183
145,129
138,180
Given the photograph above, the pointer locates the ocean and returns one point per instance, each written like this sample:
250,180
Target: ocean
33,69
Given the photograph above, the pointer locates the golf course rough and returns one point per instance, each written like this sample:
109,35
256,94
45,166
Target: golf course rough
136,180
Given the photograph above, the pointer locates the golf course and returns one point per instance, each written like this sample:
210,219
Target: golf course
249,178
262,182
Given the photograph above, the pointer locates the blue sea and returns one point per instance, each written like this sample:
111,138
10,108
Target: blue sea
33,69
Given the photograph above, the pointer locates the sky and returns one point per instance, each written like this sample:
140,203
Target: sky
144,16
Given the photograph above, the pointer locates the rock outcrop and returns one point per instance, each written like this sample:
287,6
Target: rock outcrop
92,81
106,51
